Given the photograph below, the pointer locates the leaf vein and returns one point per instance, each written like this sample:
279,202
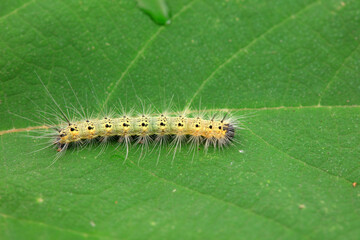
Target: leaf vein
83,234
13,130
296,159
16,10
336,73
141,51
245,49
288,228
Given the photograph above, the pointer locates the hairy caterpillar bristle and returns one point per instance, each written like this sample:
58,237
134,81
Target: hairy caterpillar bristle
75,127
216,131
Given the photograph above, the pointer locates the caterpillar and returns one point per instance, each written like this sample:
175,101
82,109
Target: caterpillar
141,128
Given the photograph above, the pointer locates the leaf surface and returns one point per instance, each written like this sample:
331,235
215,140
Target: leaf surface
290,67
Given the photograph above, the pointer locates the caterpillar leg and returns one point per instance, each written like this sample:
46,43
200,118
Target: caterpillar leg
60,147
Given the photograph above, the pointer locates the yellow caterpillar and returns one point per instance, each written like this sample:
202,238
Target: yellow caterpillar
217,130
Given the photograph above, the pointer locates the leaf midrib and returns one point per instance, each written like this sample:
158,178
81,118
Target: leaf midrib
13,130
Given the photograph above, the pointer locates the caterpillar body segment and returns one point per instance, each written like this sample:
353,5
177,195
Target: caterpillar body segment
216,132
161,128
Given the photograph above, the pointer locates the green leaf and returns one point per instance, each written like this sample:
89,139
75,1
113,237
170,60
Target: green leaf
290,67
